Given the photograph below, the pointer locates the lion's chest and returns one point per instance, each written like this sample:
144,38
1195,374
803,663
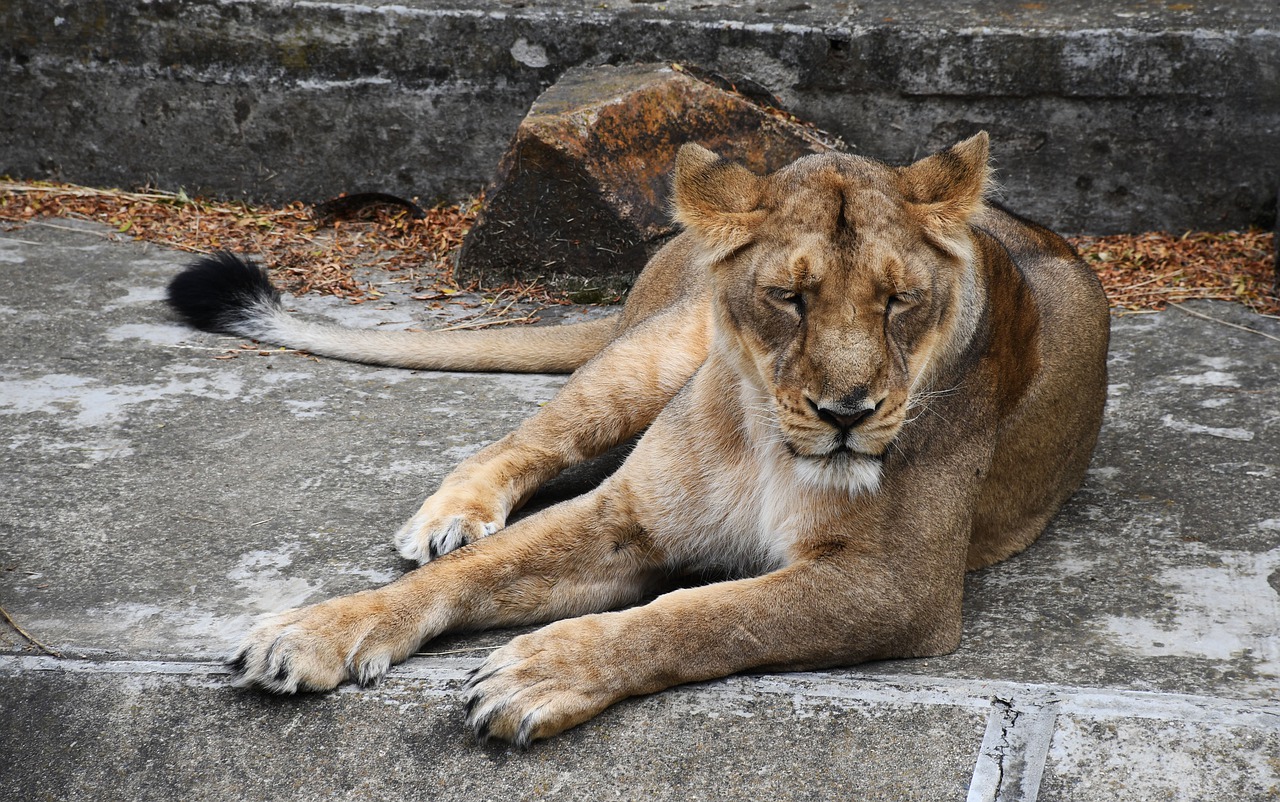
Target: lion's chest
737,516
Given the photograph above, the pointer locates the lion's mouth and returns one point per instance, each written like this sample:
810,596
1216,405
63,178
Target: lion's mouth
843,451
847,452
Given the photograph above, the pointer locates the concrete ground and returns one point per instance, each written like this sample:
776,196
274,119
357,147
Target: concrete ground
158,498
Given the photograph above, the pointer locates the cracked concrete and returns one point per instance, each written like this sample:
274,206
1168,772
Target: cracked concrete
158,499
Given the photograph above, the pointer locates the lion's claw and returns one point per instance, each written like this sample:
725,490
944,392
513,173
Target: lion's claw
536,686
426,537
316,648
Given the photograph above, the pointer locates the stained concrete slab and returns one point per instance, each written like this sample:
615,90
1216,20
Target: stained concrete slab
1123,759
159,498
405,739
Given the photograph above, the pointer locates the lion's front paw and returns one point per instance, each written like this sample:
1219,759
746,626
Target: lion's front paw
317,647
543,683
439,528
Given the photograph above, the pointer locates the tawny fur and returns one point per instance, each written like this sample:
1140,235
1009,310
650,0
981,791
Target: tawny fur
857,382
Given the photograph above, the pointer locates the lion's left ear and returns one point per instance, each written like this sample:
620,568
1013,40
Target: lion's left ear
716,199
947,188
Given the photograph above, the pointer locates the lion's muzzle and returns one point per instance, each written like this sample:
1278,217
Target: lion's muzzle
846,413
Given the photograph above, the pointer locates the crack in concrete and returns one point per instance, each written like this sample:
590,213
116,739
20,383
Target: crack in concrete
988,772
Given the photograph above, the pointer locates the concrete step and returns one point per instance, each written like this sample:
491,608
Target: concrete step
157,499
1105,117
163,731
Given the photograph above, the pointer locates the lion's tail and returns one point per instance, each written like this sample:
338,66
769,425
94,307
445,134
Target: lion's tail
228,295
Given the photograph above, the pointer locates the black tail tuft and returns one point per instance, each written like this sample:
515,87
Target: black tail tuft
219,291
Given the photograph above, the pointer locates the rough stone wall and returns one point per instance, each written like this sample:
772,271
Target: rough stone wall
1096,129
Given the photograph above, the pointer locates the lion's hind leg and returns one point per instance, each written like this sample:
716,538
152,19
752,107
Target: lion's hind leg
608,400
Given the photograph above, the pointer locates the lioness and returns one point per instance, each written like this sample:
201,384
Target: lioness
857,381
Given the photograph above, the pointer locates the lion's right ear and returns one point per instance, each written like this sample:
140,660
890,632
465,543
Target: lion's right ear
947,188
716,199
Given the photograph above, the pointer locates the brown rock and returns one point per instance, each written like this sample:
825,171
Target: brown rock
580,197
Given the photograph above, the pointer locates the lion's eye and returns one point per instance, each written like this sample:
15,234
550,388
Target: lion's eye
900,302
789,298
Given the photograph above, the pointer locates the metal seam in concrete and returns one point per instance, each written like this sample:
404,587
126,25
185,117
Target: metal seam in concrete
1014,751
988,773
1036,726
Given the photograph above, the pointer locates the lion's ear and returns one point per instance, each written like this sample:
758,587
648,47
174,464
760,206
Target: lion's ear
716,199
947,188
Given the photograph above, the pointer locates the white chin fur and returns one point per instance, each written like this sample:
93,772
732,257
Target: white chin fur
846,472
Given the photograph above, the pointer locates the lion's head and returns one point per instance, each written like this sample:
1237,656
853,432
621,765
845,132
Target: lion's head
839,282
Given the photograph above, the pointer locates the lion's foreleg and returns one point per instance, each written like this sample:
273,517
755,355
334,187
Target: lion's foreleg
607,401
807,615
581,556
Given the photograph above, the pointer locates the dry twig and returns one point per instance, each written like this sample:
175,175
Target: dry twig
457,651
1194,313
28,636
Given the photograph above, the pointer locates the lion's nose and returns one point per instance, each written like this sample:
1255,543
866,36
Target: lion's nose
846,413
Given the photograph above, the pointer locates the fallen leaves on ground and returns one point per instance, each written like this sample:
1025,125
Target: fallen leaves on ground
306,254
1149,271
